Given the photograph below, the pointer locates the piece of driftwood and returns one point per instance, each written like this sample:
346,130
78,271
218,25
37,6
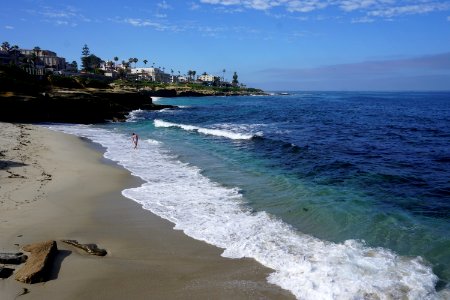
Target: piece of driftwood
89,248
38,265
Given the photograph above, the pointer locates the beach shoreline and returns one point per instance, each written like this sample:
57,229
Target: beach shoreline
55,186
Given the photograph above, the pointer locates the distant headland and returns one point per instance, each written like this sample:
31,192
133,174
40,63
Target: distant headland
39,86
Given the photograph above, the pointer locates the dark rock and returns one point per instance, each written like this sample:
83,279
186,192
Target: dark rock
38,266
89,248
168,93
12,258
75,106
193,94
5,272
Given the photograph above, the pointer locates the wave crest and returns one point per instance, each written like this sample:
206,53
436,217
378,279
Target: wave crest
208,131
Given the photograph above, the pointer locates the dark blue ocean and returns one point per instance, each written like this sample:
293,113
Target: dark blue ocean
350,190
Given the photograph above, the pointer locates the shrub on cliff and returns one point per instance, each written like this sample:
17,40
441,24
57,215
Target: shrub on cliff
14,79
64,82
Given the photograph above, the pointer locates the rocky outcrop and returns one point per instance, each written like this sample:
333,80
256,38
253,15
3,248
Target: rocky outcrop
12,258
89,248
68,106
168,93
38,266
5,272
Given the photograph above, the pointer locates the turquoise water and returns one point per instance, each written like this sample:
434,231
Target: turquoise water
383,175
370,167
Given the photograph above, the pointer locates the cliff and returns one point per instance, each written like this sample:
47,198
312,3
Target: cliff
80,106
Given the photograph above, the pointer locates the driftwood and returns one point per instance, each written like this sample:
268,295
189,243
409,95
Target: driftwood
89,248
37,267
12,258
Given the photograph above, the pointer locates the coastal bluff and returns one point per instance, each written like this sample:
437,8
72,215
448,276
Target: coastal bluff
74,106
25,98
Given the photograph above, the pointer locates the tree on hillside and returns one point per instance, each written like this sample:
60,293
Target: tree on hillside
37,50
235,81
75,65
193,74
14,51
116,59
85,51
145,62
135,60
223,77
6,46
91,63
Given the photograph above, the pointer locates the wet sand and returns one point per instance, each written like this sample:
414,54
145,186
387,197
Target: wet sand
55,186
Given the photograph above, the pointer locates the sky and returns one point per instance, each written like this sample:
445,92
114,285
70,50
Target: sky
336,45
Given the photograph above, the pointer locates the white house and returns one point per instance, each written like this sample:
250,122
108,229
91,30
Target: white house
153,74
206,78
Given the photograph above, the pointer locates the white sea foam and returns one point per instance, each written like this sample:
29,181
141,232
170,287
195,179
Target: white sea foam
308,267
208,131
135,115
156,99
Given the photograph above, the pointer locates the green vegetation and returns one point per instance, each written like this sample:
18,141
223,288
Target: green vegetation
184,87
90,62
45,78
14,79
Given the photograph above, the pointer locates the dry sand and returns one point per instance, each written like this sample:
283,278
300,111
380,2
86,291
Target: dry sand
57,186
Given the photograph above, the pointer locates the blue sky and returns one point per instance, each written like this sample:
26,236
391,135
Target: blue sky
271,44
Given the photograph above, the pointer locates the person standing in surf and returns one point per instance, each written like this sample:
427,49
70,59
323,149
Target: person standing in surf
134,140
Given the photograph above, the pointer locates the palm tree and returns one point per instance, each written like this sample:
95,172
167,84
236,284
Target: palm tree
193,74
145,62
223,77
36,51
235,79
135,60
14,50
116,59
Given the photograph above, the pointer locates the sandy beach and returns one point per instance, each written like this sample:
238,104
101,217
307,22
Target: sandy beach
55,186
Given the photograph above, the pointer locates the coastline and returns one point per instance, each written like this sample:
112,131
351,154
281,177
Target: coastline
73,193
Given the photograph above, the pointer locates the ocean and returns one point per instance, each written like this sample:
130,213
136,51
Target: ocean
345,195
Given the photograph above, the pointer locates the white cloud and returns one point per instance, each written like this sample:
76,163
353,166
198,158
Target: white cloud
164,5
350,5
410,9
67,16
159,26
306,6
194,6
368,8
253,4
364,19
9,27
